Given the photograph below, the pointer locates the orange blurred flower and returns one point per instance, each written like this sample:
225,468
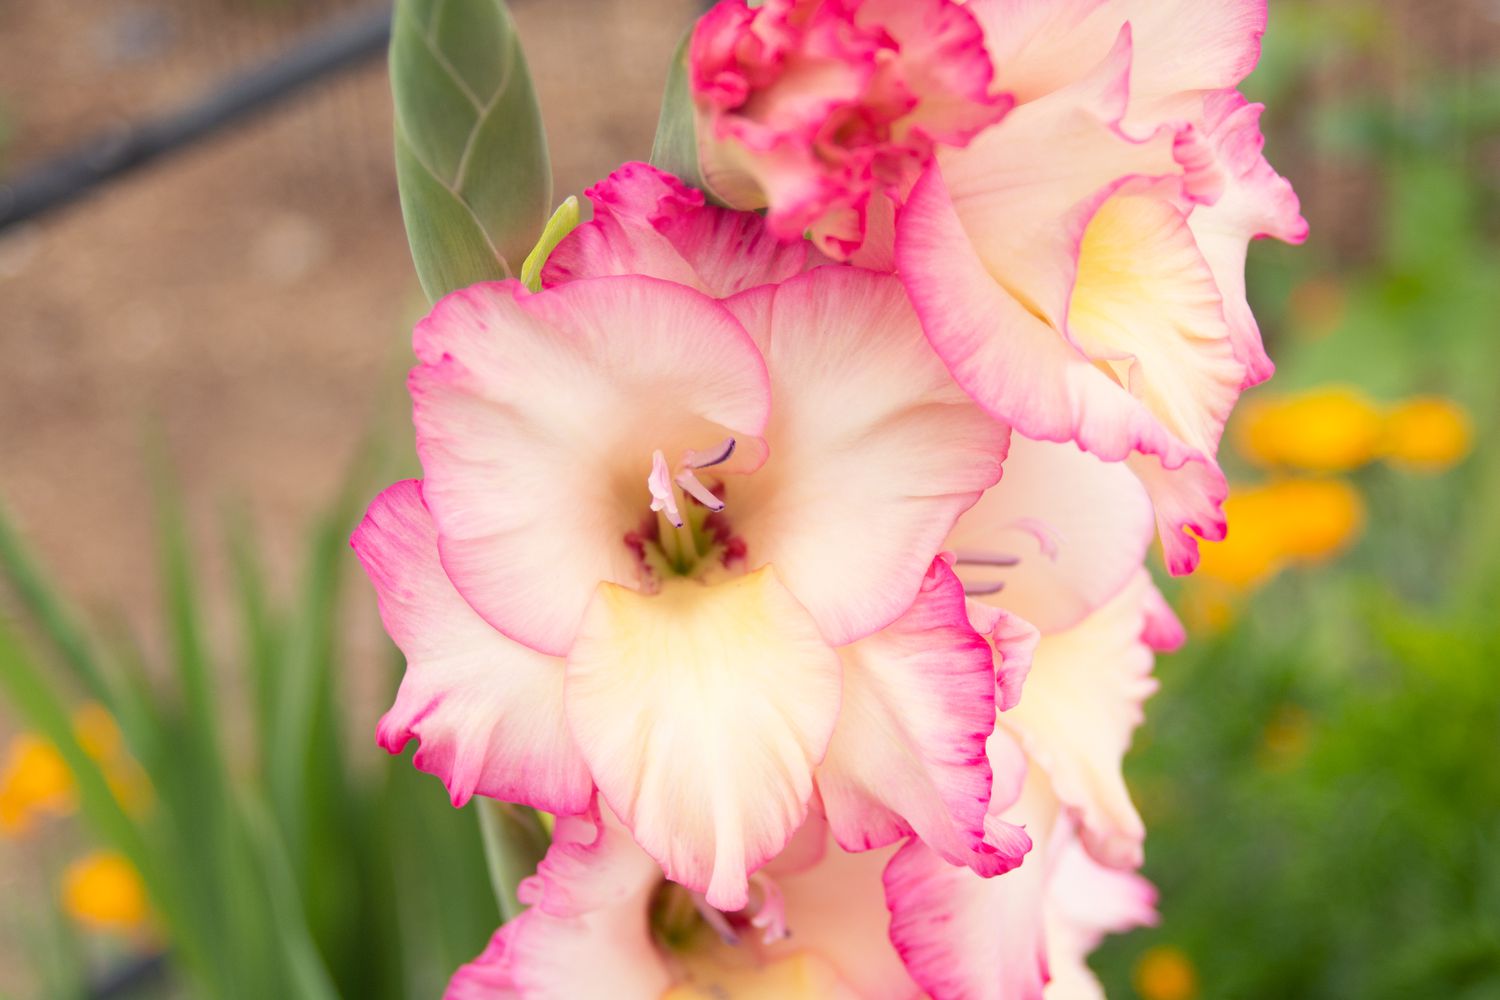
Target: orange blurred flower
103,892
1281,522
36,783
1428,433
1165,973
1331,429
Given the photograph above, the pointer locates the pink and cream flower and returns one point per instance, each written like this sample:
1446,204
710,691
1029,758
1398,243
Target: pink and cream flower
818,924
684,550
899,921
812,108
1079,266
1011,937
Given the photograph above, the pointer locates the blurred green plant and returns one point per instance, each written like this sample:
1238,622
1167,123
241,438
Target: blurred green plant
273,862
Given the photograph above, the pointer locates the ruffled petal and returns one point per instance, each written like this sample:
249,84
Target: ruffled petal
487,711
1022,370
1086,901
1013,640
586,933
1257,202
537,417
908,754
963,937
874,451
1081,704
649,222
1184,48
702,711
1079,528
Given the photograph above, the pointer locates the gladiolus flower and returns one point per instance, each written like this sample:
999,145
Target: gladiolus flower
627,567
814,107
1079,266
603,920
1082,699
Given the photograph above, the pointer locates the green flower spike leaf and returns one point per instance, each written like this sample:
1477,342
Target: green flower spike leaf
675,149
471,155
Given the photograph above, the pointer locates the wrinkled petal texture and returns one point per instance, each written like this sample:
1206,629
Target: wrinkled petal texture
701,712
1081,704
908,754
537,416
874,450
964,937
813,107
487,711
1079,527
1257,202
1085,901
1184,47
648,222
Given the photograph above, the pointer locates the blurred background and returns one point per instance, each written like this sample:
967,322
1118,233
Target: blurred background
203,386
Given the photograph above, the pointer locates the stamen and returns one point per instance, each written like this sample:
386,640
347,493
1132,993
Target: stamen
708,459
770,912
698,491
1047,538
716,919
985,559
663,496
983,589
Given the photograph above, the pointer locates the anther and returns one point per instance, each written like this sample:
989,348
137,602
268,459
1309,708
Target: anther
663,496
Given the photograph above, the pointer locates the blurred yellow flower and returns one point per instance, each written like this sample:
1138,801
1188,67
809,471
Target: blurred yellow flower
1165,973
1331,429
102,891
1282,522
35,781
1428,433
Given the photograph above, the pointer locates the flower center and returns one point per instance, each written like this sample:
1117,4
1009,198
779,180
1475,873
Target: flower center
683,535
682,920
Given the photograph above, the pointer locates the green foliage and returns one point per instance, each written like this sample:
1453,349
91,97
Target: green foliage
675,149
274,861
471,154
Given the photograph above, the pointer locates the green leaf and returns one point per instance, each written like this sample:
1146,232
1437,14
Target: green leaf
42,605
676,147
563,222
471,155
515,839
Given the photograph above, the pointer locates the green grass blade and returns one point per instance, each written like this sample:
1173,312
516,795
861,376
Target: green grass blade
42,605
